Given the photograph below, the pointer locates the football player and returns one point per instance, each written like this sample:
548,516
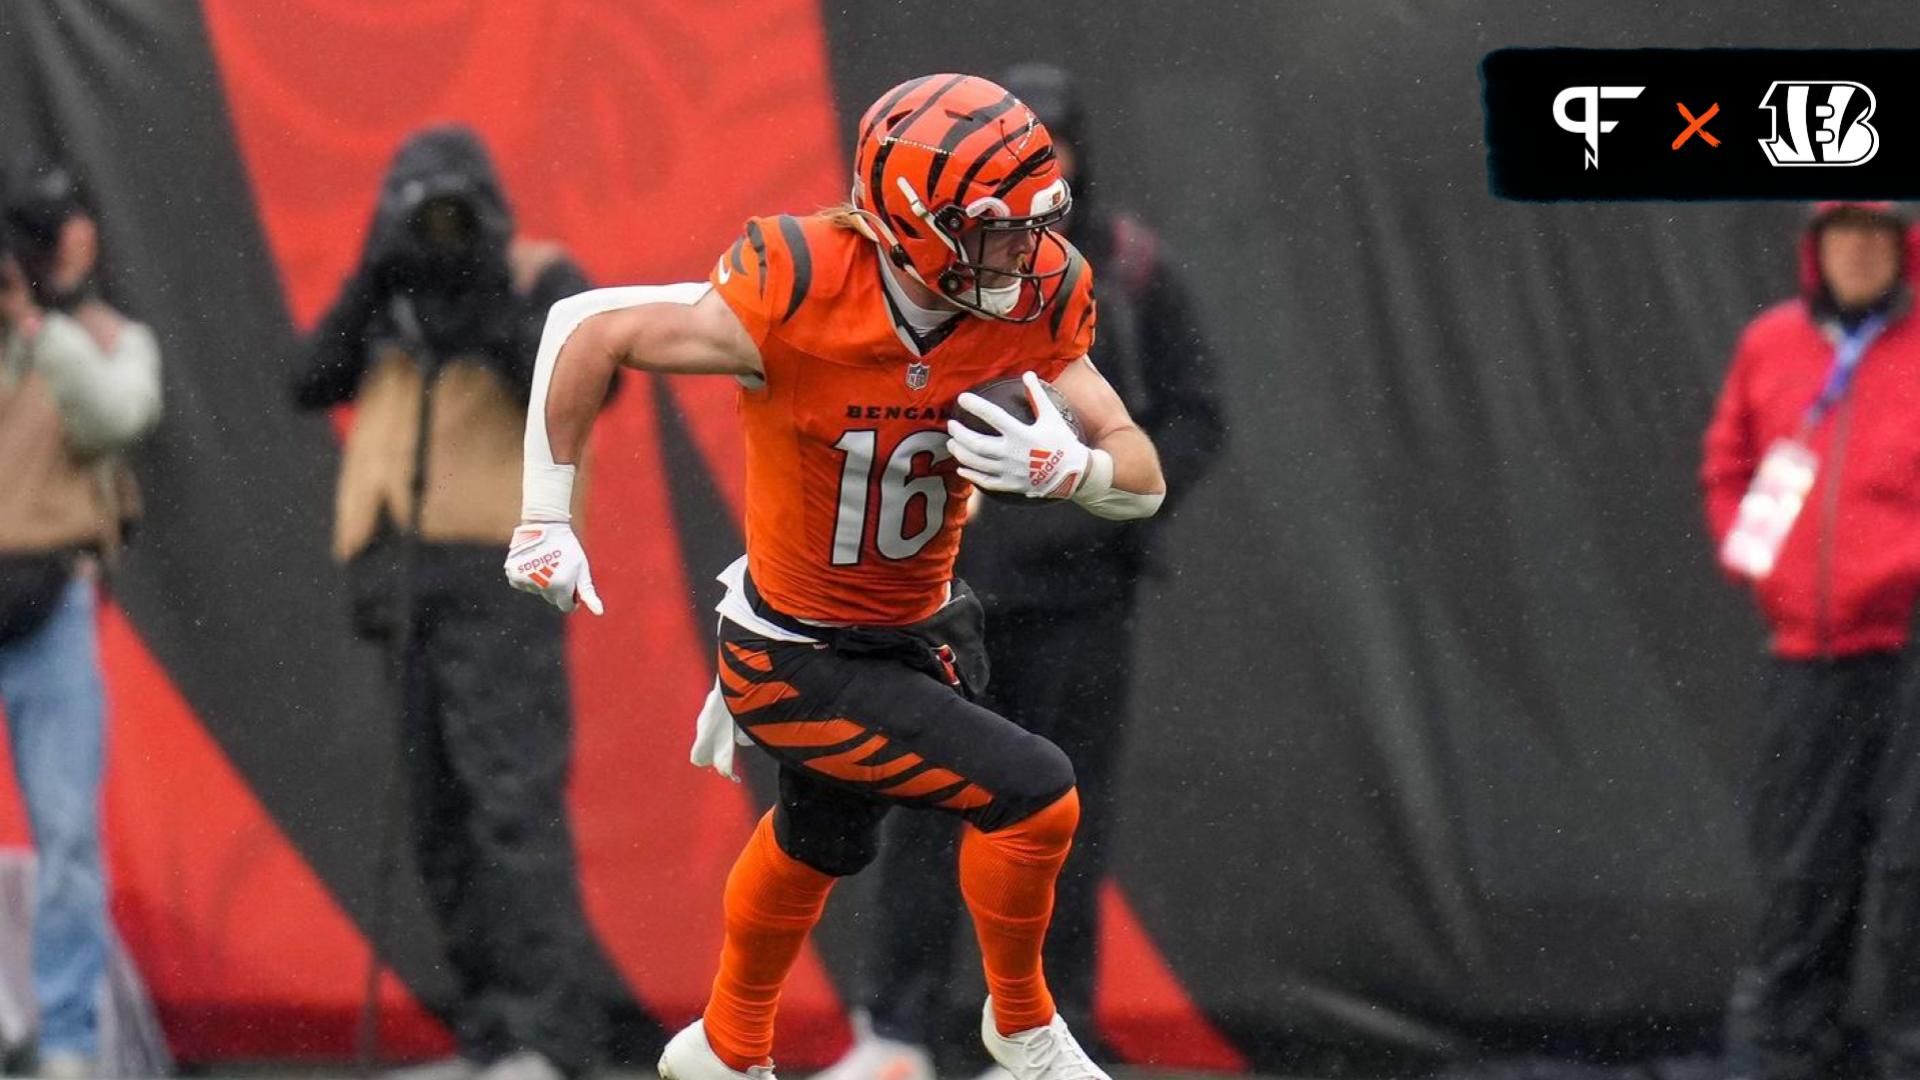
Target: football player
847,649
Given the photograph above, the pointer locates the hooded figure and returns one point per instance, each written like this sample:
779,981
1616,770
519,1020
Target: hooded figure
443,287
1847,574
447,302
1813,461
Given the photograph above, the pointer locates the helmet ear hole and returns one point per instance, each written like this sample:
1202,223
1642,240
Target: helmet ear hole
952,219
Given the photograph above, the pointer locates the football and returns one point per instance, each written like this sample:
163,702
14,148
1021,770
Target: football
1011,395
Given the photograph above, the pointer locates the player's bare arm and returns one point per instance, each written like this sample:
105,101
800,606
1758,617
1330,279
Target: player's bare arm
702,338
669,328
1109,427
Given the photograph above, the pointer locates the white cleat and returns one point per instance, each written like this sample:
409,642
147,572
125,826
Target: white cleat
873,1057
1042,1053
689,1056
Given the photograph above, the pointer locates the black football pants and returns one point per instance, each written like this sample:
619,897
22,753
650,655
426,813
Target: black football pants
488,741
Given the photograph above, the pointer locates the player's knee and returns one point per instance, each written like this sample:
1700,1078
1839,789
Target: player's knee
1041,835
1053,825
1045,772
1044,800
838,852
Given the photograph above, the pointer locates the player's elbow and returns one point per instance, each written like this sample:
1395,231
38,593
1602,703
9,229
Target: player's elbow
577,324
1146,481
567,315
1124,481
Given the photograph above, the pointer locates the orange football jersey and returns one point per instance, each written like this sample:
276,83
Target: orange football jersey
854,509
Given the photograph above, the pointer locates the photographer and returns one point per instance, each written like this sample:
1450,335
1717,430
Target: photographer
437,327
79,382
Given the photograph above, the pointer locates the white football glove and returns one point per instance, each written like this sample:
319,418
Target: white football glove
1041,460
546,558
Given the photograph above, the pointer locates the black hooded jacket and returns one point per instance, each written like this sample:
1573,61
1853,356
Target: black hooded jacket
438,303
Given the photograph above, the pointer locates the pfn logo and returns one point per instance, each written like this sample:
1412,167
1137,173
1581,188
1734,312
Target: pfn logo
1589,124
1826,124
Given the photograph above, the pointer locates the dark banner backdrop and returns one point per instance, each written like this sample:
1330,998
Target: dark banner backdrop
1441,702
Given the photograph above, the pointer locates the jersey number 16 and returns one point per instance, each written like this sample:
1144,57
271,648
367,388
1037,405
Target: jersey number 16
901,487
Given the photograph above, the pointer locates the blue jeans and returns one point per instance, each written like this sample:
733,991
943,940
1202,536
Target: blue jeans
50,685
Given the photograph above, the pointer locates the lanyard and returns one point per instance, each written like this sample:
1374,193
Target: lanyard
1846,361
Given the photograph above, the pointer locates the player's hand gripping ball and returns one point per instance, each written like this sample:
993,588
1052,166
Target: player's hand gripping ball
1013,451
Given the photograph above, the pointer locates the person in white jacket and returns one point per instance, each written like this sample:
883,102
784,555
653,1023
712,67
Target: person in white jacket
79,383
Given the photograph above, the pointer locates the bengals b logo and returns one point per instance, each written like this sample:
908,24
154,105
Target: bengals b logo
1820,123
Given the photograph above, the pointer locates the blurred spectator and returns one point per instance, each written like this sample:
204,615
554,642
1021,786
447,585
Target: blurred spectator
1061,586
1812,482
79,382
436,327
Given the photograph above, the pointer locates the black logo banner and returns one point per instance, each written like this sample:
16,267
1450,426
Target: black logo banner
1702,123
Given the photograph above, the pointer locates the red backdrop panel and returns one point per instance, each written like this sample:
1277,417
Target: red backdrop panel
640,135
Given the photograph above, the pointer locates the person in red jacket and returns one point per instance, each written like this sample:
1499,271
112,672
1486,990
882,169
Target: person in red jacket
1812,483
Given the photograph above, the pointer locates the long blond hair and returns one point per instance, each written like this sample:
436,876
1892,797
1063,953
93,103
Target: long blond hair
848,216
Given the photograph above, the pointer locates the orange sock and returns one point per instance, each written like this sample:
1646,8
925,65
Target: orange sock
772,903
1007,878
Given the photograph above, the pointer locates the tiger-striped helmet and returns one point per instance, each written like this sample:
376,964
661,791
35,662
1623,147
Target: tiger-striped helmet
947,169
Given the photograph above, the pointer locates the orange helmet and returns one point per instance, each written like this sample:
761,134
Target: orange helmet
946,167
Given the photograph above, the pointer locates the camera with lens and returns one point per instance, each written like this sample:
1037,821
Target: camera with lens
445,224
442,237
37,199
445,252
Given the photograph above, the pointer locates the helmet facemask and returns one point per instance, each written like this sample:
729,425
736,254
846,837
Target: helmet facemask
992,272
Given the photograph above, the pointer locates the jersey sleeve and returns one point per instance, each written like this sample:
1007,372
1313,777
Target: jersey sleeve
764,275
1070,322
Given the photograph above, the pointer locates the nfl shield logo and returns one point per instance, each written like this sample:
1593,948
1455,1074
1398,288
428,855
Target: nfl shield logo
917,375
